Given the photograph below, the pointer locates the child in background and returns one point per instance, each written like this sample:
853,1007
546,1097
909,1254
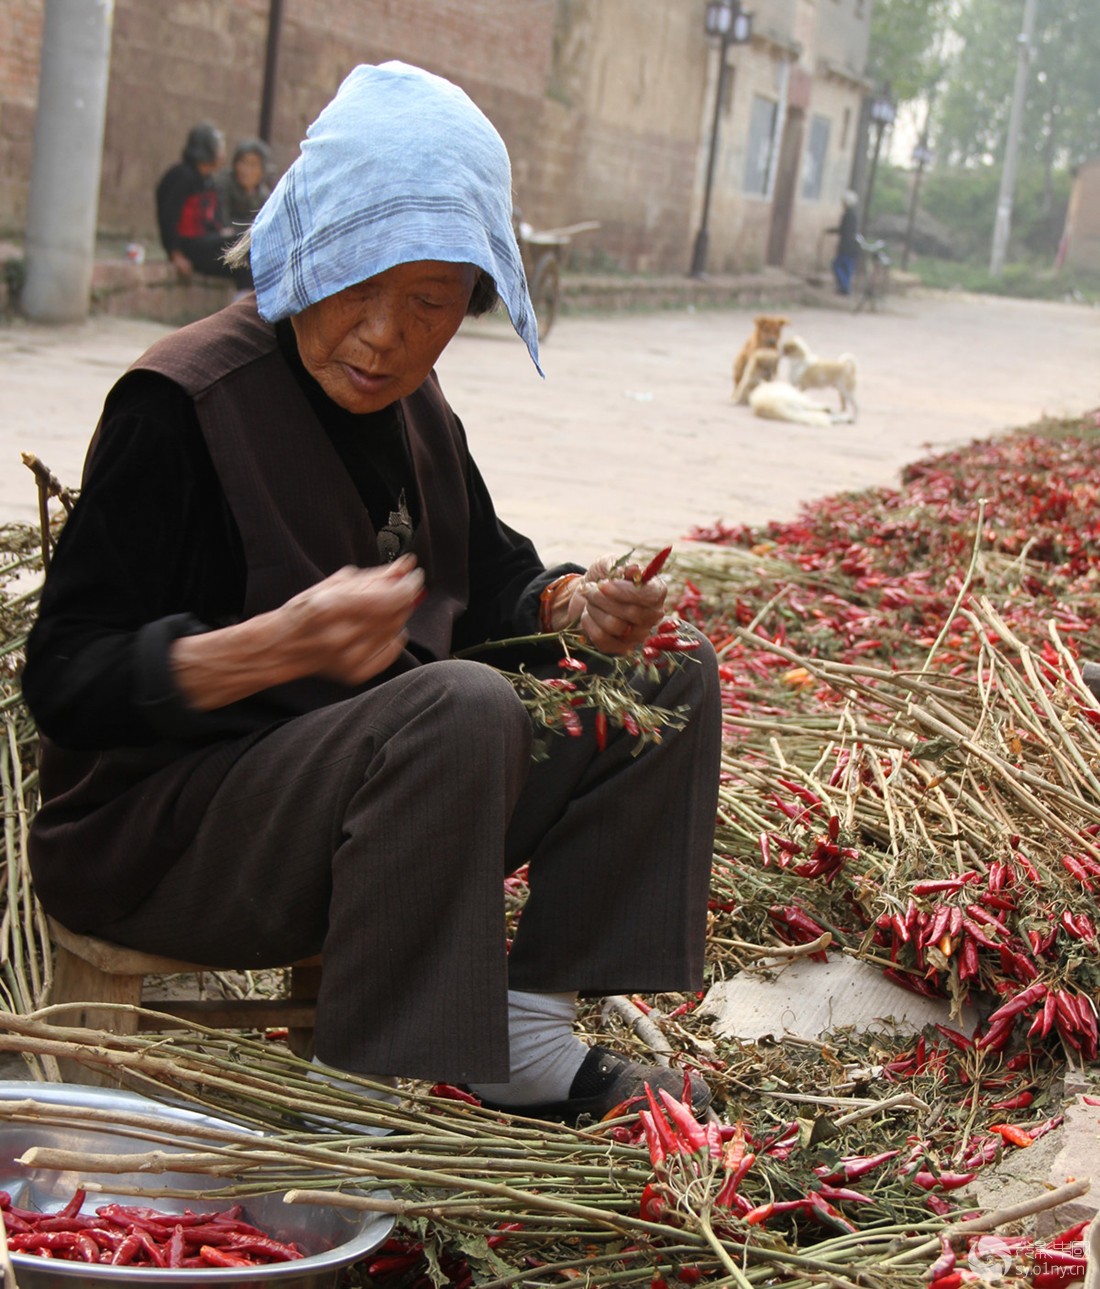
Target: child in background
246,184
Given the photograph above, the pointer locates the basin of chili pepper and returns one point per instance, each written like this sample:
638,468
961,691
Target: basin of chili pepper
296,1246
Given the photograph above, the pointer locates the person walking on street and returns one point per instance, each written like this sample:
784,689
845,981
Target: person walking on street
847,247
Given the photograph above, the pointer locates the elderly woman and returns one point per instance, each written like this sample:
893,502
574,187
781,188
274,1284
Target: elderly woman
257,743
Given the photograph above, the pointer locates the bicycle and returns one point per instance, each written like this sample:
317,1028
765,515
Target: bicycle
872,276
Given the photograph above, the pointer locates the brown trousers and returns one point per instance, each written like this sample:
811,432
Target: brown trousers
377,831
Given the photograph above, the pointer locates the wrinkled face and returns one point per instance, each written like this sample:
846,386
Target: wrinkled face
248,170
376,342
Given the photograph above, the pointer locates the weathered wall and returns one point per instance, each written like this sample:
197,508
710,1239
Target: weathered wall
20,42
1082,235
605,105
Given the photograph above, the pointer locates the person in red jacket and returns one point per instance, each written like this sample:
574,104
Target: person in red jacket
193,229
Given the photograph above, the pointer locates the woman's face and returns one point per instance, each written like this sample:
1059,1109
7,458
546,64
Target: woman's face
248,170
373,343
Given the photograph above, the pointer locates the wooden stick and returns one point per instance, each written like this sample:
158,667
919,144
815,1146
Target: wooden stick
48,481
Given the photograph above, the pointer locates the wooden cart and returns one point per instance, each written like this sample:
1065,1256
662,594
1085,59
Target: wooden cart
543,253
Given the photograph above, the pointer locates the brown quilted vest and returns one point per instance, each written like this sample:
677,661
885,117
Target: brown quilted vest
112,822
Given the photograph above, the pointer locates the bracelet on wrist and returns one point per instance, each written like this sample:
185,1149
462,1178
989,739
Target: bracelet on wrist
553,594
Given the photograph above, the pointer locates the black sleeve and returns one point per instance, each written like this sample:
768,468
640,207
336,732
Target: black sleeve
172,191
506,575
149,553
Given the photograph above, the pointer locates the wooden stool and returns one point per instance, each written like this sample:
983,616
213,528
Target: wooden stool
89,971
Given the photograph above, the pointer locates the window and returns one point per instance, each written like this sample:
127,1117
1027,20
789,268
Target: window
813,159
758,158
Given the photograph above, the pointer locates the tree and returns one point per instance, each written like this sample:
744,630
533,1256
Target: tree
906,44
1062,113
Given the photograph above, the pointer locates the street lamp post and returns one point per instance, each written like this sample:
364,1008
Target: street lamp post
882,114
733,26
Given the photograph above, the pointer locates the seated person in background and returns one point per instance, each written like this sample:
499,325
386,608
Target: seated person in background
193,230
245,184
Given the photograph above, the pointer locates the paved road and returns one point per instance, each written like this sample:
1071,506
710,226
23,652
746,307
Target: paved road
632,439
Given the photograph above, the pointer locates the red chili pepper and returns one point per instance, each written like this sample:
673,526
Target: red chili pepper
943,884
802,793
1075,868
1012,1133
1048,1125
1021,1002
391,1263
943,1181
34,1241
937,927
174,1250
915,984
73,1206
653,1204
569,663
765,849
654,566
221,1258
127,1251
761,1213
950,1281
657,1136
968,958
996,1036
855,1166
687,1126
1018,1102
601,730
842,1193
945,1263
450,1093
728,1191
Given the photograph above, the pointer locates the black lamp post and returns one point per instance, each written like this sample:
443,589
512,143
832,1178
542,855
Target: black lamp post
882,114
733,26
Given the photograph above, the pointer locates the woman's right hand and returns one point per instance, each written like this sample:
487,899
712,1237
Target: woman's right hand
348,628
351,626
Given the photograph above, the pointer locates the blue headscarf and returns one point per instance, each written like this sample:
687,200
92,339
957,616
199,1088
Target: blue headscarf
400,166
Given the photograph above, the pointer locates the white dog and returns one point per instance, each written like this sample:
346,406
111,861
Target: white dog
807,371
776,400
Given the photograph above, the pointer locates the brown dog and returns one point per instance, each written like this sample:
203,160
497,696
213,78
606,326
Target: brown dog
763,365
765,335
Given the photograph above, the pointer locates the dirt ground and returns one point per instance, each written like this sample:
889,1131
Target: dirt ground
632,439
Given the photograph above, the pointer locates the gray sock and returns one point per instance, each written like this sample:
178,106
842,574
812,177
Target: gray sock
545,1052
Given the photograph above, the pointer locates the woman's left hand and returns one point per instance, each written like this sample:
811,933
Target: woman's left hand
615,609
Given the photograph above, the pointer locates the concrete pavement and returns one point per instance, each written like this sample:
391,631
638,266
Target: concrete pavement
632,439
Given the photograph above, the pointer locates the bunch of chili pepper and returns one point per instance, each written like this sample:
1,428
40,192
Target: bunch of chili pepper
698,1164
968,925
121,1235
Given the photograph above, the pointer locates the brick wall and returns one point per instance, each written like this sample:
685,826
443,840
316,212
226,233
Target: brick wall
604,105
20,41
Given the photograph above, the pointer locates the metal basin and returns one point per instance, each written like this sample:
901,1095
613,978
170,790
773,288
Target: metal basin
331,1237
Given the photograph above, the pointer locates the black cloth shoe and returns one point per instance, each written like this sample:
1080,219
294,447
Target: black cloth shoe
604,1081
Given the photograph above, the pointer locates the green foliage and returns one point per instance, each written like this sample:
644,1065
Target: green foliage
906,36
965,201
1023,281
1061,122
891,193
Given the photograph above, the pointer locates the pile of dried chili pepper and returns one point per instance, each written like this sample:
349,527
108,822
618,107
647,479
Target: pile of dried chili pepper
134,1236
